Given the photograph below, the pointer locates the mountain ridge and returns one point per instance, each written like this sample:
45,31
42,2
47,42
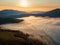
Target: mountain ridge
19,14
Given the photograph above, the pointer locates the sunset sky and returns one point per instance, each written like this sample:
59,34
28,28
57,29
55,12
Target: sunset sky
30,5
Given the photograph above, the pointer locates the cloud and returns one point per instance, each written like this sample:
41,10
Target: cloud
39,26
57,24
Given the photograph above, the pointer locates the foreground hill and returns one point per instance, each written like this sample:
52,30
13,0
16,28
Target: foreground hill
9,20
11,37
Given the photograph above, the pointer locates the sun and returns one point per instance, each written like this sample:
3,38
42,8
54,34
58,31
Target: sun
24,3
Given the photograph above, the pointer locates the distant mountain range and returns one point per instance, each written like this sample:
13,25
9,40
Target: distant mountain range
18,14
52,13
11,13
37,12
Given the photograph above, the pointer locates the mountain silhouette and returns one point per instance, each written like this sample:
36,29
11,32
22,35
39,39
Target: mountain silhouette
19,14
37,12
52,13
11,13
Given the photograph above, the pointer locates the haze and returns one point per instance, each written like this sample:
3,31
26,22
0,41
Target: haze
30,5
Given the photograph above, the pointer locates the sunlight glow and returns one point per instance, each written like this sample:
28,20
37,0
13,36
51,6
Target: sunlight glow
24,3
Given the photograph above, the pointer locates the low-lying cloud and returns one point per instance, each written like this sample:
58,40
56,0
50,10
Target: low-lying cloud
39,26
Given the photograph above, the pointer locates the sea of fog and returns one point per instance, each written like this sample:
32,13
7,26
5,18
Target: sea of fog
38,26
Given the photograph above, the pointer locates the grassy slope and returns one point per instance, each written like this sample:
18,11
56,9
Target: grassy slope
10,37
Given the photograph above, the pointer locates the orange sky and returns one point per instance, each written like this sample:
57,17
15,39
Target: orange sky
33,5
28,9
